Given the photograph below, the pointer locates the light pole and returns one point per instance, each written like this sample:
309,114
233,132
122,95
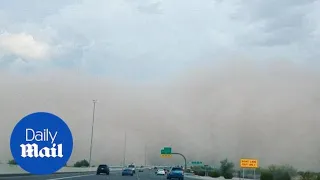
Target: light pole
145,155
94,109
125,149
146,152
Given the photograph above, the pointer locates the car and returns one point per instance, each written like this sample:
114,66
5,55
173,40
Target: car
161,172
176,173
103,168
166,170
132,167
127,172
141,170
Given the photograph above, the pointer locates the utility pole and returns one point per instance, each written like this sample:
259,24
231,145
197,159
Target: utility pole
125,149
94,109
145,155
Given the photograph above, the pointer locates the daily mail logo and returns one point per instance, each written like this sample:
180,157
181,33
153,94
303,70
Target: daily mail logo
41,143
32,150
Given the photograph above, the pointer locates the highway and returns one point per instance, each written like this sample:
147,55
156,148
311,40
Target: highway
114,175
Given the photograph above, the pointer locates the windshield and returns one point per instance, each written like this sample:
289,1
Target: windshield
176,169
228,87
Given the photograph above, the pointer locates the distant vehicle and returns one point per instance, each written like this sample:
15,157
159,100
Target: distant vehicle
176,173
103,168
161,172
166,170
127,172
132,167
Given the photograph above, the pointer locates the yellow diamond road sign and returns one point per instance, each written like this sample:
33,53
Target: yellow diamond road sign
166,155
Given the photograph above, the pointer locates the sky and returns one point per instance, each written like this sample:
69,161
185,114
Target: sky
213,79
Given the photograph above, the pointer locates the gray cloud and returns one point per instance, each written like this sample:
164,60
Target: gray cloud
199,28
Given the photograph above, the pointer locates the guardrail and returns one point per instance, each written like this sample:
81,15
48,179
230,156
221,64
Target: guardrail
15,169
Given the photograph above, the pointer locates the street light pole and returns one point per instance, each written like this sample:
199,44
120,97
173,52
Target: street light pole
94,109
145,155
125,149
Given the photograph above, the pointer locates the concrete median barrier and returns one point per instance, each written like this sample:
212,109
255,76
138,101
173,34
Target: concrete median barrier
14,170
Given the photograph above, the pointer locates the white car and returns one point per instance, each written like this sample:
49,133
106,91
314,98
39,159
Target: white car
161,172
132,167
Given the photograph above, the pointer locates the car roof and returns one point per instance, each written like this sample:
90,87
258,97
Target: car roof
103,165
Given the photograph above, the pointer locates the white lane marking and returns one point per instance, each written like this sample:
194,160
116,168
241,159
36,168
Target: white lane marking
69,177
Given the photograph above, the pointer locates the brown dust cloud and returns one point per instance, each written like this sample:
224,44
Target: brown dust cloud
236,109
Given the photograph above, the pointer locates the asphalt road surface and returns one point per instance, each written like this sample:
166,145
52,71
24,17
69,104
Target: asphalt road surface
115,175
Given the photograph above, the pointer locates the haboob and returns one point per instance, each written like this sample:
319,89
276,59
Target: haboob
32,150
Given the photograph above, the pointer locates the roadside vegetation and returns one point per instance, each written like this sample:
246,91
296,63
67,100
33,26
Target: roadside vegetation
273,172
226,170
12,162
82,163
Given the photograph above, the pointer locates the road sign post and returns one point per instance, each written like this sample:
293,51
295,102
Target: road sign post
249,164
206,170
166,152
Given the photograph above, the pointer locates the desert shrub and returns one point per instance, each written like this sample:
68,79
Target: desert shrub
12,162
214,174
200,173
226,168
266,175
228,175
82,163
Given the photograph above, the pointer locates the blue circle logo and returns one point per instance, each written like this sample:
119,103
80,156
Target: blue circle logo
41,143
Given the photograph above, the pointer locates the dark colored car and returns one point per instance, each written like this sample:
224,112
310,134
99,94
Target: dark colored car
103,169
176,173
127,172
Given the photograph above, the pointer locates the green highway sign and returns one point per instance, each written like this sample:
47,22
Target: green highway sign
166,152
196,162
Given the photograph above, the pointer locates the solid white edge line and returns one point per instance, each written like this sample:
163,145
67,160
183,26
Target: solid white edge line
69,177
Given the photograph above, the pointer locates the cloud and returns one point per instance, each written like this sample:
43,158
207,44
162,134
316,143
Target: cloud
25,46
138,37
